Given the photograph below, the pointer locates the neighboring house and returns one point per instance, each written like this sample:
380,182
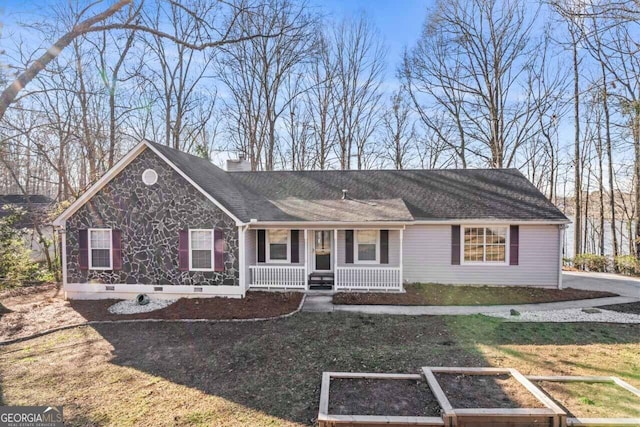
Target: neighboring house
36,210
169,223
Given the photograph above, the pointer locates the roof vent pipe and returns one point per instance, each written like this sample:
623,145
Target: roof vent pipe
344,194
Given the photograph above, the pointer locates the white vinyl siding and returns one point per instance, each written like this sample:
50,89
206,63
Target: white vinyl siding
427,258
394,250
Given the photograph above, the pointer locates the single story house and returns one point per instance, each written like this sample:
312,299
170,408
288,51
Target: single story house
167,223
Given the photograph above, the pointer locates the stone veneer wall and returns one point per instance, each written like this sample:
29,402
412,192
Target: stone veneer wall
150,218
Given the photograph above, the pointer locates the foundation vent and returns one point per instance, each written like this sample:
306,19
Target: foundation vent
109,288
197,289
157,289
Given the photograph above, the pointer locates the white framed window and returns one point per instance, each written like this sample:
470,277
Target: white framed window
278,243
367,246
201,254
100,249
485,244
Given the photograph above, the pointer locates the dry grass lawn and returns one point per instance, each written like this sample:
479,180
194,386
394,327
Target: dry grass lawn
268,373
436,294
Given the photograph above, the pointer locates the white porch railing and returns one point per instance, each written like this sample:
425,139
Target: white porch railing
368,279
277,276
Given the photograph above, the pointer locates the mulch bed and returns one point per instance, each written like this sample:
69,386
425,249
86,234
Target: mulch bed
382,397
632,307
31,310
435,294
593,400
254,305
486,391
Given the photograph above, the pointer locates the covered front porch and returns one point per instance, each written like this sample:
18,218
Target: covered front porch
358,258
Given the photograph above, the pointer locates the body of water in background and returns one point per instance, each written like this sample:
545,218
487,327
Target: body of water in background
593,245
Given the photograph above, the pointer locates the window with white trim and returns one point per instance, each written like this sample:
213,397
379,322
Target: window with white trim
485,244
100,249
367,245
278,245
201,250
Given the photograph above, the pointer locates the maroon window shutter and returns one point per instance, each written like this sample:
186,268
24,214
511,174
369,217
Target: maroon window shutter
295,246
348,243
262,246
218,250
514,245
83,255
183,251
384,246
455,245
116,249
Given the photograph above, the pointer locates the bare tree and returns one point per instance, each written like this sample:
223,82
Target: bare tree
399,130
359,64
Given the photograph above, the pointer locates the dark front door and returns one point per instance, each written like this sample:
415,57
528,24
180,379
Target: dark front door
323,250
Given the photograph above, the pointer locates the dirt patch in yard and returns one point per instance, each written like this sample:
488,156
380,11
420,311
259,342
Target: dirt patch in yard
593,400
409,398
435,294
31,310
632,307
254,305
486,391
35,309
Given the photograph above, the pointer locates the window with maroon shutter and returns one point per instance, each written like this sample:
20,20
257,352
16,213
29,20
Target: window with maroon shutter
83,254
295,246
201,249
218,248
100,249
262,245
348,249
455,245
183,251
514,245
384,246
116,254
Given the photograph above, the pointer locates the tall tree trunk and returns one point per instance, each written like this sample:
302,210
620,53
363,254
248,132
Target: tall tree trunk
607,128
578,184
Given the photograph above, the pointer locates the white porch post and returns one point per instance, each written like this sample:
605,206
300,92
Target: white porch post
401,263
244,271
306,260
335,259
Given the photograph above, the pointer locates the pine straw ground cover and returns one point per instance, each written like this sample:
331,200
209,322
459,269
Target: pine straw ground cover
269,373
436,294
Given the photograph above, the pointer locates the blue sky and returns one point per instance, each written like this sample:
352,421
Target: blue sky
399,21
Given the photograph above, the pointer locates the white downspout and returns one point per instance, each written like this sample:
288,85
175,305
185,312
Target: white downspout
62,231
242,261
560,254
401,261
306,260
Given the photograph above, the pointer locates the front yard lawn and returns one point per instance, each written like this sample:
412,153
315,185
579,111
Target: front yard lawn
436,294
268,373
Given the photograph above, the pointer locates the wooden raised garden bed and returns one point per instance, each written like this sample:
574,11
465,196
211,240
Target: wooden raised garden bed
491,397
357,399
621,408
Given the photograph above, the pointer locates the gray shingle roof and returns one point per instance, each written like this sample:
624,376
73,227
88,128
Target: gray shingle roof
375,195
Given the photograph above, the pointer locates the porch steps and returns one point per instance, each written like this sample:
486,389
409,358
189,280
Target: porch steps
321,280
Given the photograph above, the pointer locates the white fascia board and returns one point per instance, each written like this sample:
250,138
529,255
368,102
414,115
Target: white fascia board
196,186
490,221
327,224
117,168
97,186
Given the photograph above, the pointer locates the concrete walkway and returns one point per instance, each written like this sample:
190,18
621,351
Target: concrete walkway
323,304
621,285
